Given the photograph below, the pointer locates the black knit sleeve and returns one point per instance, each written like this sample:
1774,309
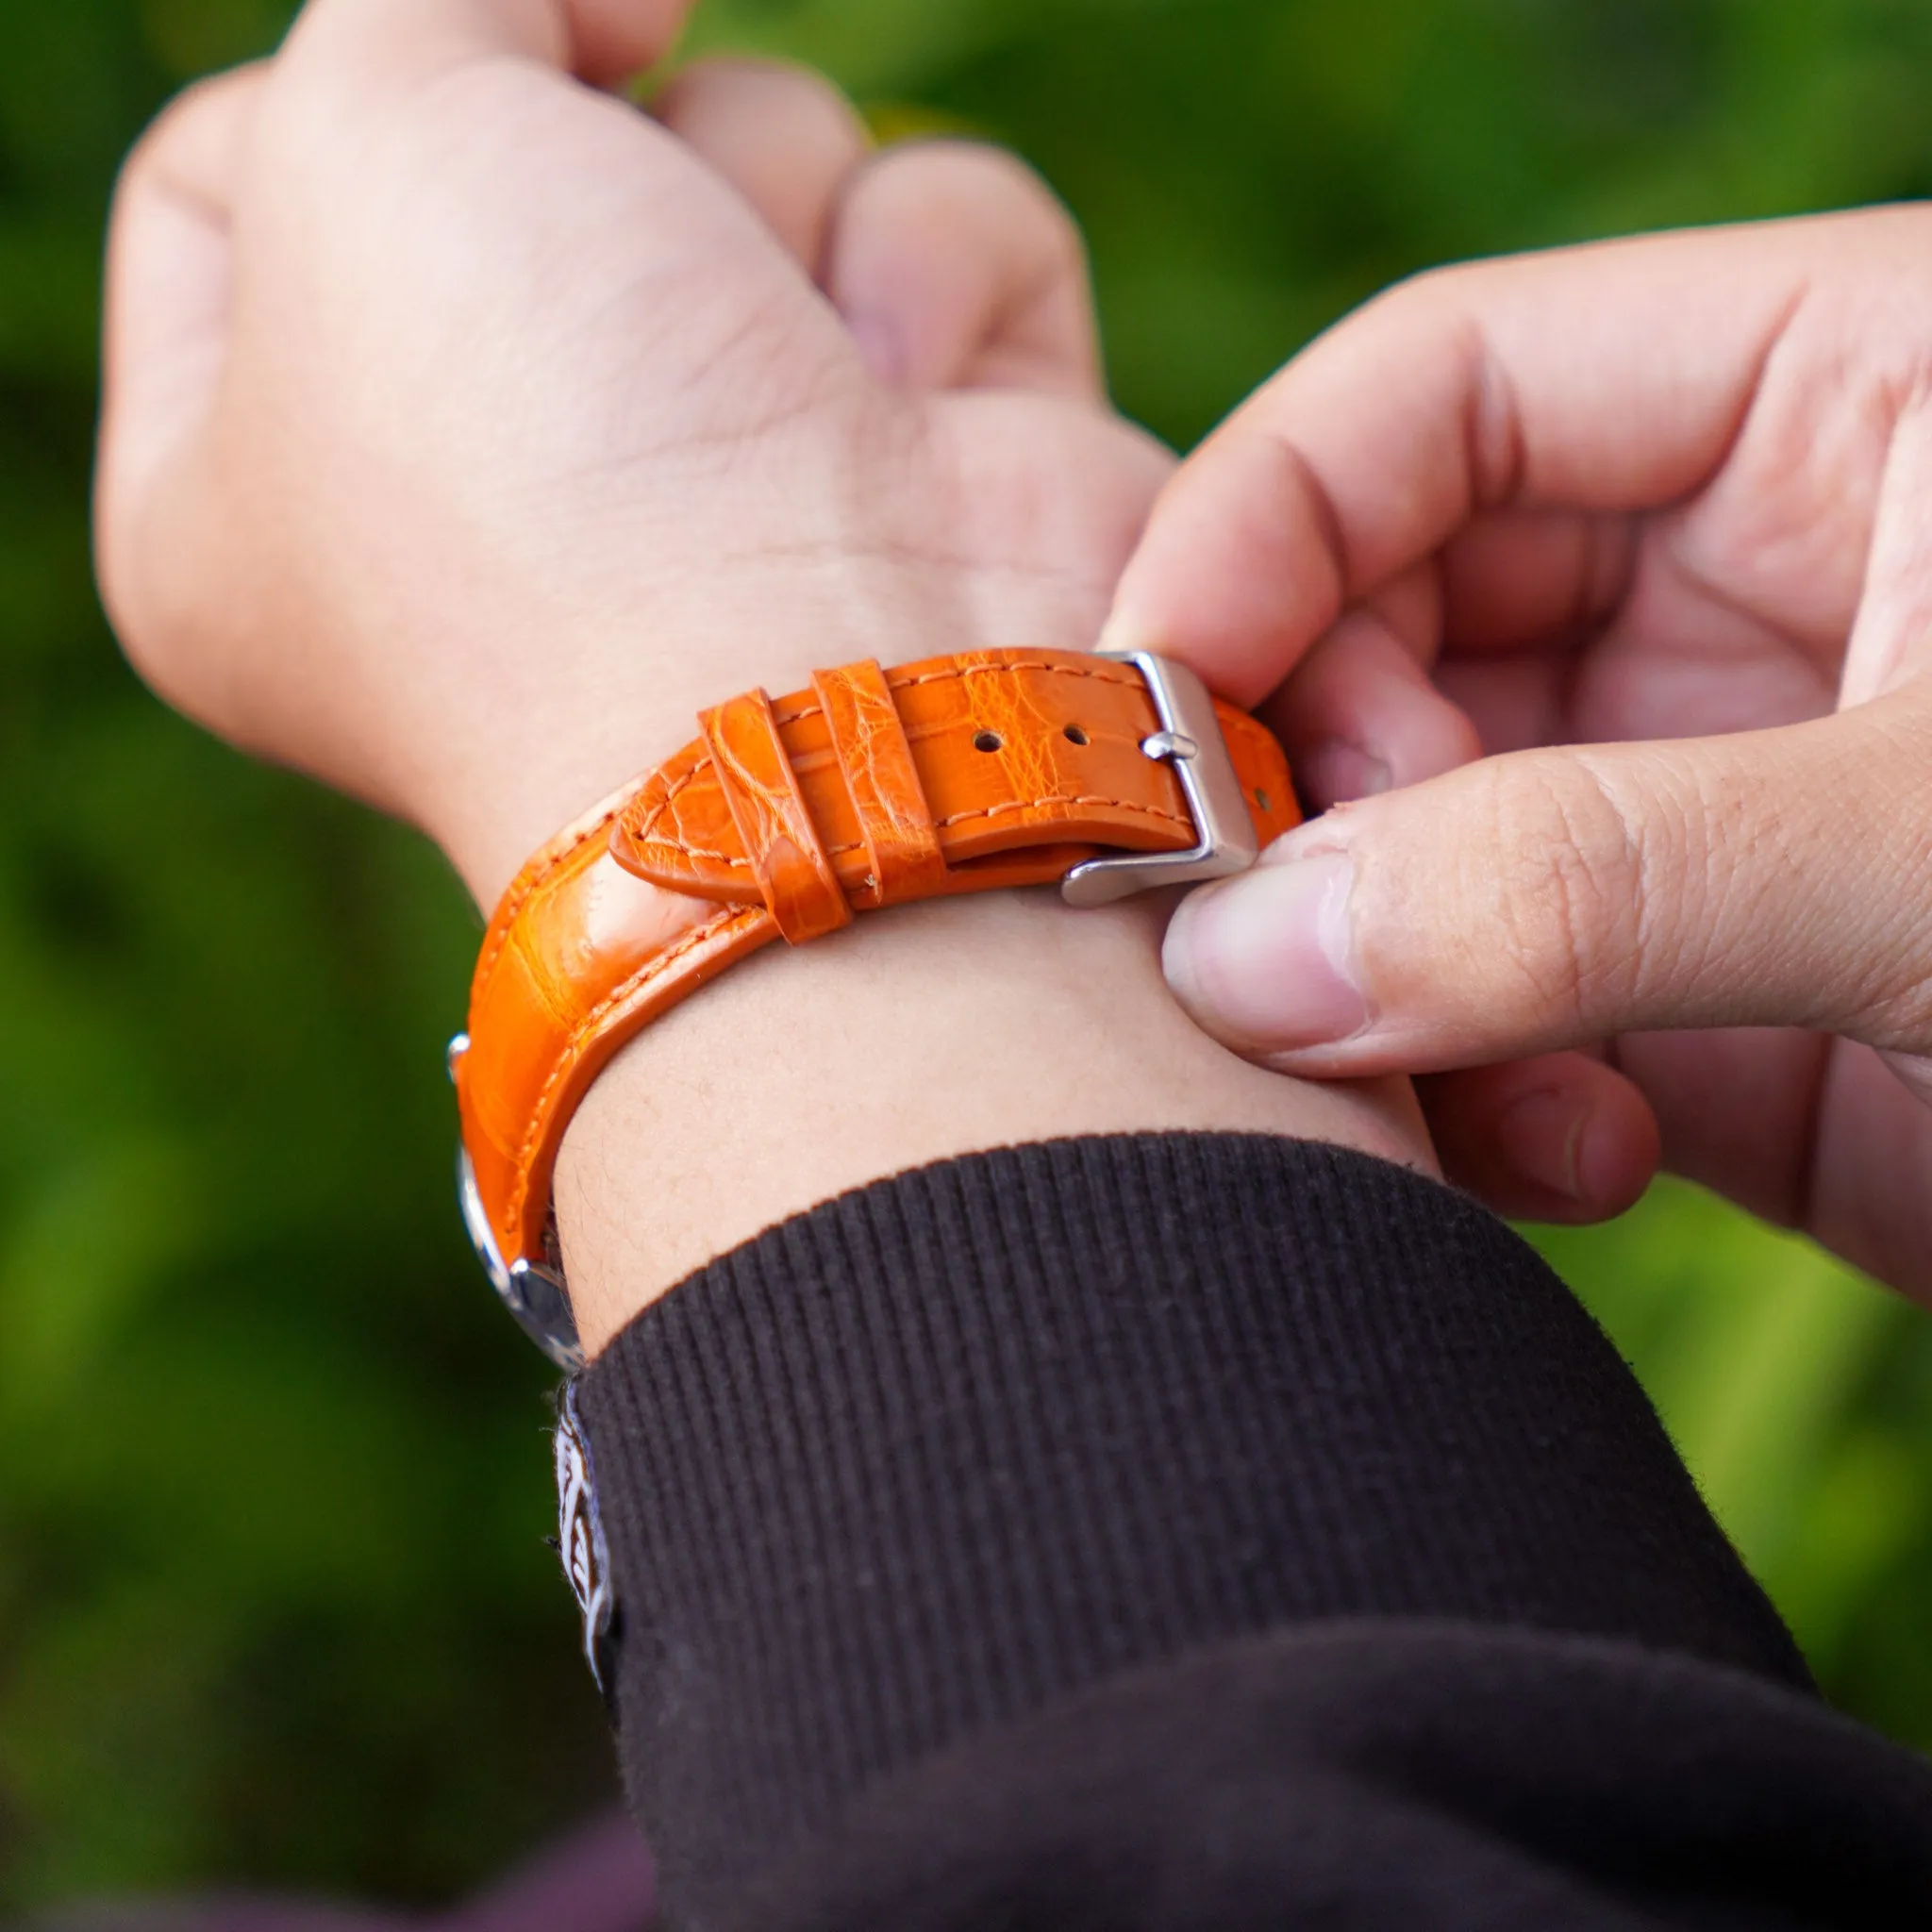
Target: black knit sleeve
1195,1531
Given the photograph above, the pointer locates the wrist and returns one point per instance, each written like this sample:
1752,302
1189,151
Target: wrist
920,1032
911,1037
551,741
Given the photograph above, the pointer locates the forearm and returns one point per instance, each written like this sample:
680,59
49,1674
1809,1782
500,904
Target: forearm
1125,1530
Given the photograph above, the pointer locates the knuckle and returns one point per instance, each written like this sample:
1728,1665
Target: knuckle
154,591
983,168
179,110
1580,869
933,179
819,92
142,626
145,158
760,77
188,150
118,593
1424,295
184,114
1884,989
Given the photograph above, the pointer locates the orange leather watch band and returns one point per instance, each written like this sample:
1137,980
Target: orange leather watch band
783,818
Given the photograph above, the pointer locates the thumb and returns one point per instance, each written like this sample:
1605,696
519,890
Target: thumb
1557,898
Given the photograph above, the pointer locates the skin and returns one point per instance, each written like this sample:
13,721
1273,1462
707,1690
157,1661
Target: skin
1648,519
466,431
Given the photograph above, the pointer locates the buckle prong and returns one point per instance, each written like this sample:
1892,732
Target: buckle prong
1190,740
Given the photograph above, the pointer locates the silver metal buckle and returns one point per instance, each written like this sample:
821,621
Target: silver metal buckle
533,1293
1188,740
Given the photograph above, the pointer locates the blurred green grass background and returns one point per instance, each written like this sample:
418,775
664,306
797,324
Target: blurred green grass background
274,1605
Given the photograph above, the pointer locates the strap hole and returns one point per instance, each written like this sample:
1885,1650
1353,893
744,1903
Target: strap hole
988,740
1262,799
1074,735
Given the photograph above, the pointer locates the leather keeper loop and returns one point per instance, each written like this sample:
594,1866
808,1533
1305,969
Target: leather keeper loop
782,843
875,758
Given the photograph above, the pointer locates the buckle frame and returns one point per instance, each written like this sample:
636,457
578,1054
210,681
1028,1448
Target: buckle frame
1190,743
534,1294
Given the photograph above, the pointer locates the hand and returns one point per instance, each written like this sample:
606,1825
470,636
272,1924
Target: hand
1673,490
467,429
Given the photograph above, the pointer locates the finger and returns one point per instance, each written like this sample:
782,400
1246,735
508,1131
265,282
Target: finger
1553,898
1361,716
1802,1130
1561,1138
376,42
1607,379
1512,600
785,137
1892,637
954,267
1739,1110
1515,577
165,343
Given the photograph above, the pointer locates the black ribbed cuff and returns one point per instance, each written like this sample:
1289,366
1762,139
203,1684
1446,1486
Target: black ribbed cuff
944,1450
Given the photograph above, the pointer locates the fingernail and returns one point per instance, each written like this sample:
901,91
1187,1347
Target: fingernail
1267,960
879,349
1541,1136
1336,773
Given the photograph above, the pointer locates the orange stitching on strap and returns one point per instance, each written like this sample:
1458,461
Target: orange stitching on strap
811,709
993,811
664,804
595,1017
725,857
1132,676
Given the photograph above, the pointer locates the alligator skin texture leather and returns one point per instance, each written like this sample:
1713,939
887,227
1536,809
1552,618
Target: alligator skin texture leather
783,818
